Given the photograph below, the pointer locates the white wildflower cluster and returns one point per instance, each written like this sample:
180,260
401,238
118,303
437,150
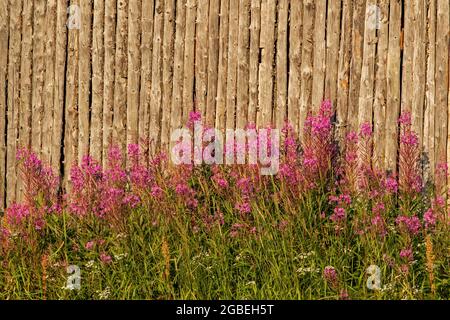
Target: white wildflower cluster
304,271
103,295
120,256
90,264
304,256
387,288
201,255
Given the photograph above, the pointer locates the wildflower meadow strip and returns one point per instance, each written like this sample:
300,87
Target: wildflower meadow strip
327,224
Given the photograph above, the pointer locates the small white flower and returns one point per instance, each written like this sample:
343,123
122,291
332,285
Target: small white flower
90,264
104,294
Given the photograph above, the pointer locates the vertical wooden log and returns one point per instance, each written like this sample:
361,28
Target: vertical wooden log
71,111
319,53
38,74
442,69
26,74
168,38
146,72
84,87
356,62
344,70
178,61
15,29
419,66
120,85
156,97
4,35
333,33
267,45
307,62
295,60
49,81
282,64
109,76
255,30
59,84
223,65
134,69
379,104
201,56
430,93
393,85
232,64
189,60
408,52
98,72
243,65
366,88
213,60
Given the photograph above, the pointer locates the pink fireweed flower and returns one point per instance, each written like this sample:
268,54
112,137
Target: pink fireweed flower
429,219
379,208
405,119
105,258
409,224
406,254
17,213
131,200
245,185
343,295
391,185
133,152
410,139
235,229
379,225
39,224
330,275
338,214
244,208
157,192
194,116
89,245
182,189
439,202
366,130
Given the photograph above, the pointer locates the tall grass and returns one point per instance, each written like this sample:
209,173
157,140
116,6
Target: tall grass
152,230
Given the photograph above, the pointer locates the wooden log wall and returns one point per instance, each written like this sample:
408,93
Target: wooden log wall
77,75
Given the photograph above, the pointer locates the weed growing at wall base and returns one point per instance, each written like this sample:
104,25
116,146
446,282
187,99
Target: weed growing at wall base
328,225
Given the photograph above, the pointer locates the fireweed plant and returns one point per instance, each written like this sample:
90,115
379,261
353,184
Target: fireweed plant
143,228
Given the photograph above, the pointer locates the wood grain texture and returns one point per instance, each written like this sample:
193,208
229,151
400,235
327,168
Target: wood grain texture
4,37
189,60
120,76
282,75
380,97
178,67
319,56
156,92
242,95
393,86
146,72
267,47
344,71
134,70
307,63
430,93
98,64
109,76
84,80
167,71
253,81
221,101
295,61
